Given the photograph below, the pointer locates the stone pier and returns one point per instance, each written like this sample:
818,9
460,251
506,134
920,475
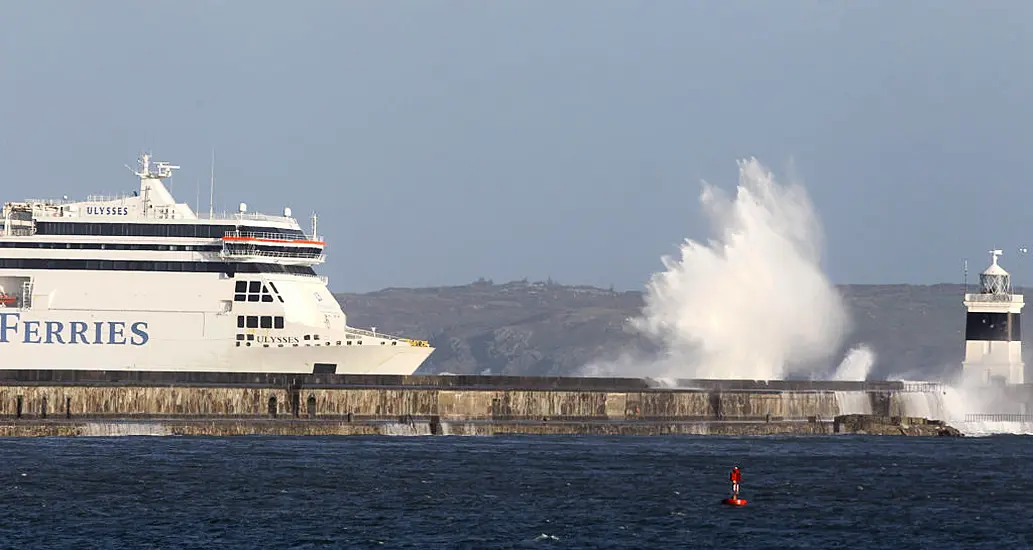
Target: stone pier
111,402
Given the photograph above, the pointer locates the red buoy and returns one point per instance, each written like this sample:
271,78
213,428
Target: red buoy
736,478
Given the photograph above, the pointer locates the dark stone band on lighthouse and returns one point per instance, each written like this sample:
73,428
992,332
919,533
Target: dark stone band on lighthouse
993,327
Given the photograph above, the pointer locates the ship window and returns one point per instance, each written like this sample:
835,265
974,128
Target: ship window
147,265
252,321
188,230
267,321
108,246
254,291
277,322
240,321
315,337
307,337
250,337
240,337
290,251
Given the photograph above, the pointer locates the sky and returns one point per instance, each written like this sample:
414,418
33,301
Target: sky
444,141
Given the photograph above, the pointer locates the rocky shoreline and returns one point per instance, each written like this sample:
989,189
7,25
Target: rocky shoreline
860,424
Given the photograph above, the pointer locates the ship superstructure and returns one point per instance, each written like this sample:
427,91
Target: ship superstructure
142,282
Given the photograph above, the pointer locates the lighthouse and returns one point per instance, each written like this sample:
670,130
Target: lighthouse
993,342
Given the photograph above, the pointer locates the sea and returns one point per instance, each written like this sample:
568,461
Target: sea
516,492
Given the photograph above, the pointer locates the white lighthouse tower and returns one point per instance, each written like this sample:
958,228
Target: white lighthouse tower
993,342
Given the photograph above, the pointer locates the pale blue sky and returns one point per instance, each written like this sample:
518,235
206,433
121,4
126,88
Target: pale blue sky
444,141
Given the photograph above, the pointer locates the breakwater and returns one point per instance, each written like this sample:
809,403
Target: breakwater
42,402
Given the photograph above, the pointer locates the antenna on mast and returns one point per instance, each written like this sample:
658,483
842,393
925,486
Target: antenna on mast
964,278
164,169
145,166
211,192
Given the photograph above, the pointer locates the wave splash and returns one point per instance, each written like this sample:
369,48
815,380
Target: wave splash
752,302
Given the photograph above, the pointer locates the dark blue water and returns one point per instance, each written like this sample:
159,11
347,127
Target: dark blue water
515,492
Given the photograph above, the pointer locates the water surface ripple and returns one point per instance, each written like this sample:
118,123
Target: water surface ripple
515,492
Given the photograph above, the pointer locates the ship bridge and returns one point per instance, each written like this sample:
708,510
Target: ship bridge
262,246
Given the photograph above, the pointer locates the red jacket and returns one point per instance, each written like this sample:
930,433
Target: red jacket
736,476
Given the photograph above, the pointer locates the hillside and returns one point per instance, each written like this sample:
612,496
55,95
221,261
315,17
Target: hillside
550,329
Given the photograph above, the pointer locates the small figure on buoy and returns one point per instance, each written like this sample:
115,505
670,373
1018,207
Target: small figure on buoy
735,477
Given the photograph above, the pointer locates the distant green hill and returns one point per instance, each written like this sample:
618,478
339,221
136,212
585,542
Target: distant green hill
550,329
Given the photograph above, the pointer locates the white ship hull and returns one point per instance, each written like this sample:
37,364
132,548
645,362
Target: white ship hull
187,322
169,356
141,283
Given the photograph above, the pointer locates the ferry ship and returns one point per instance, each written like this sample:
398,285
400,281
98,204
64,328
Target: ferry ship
141,282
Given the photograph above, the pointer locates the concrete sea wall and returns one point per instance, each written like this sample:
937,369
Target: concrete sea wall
111,403
137,401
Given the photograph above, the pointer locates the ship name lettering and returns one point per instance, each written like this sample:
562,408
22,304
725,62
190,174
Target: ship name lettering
277,339
14,329
107,210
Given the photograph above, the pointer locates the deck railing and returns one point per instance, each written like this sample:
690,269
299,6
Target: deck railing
995,417
364,332
227,216
230,235
925,387
994,298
